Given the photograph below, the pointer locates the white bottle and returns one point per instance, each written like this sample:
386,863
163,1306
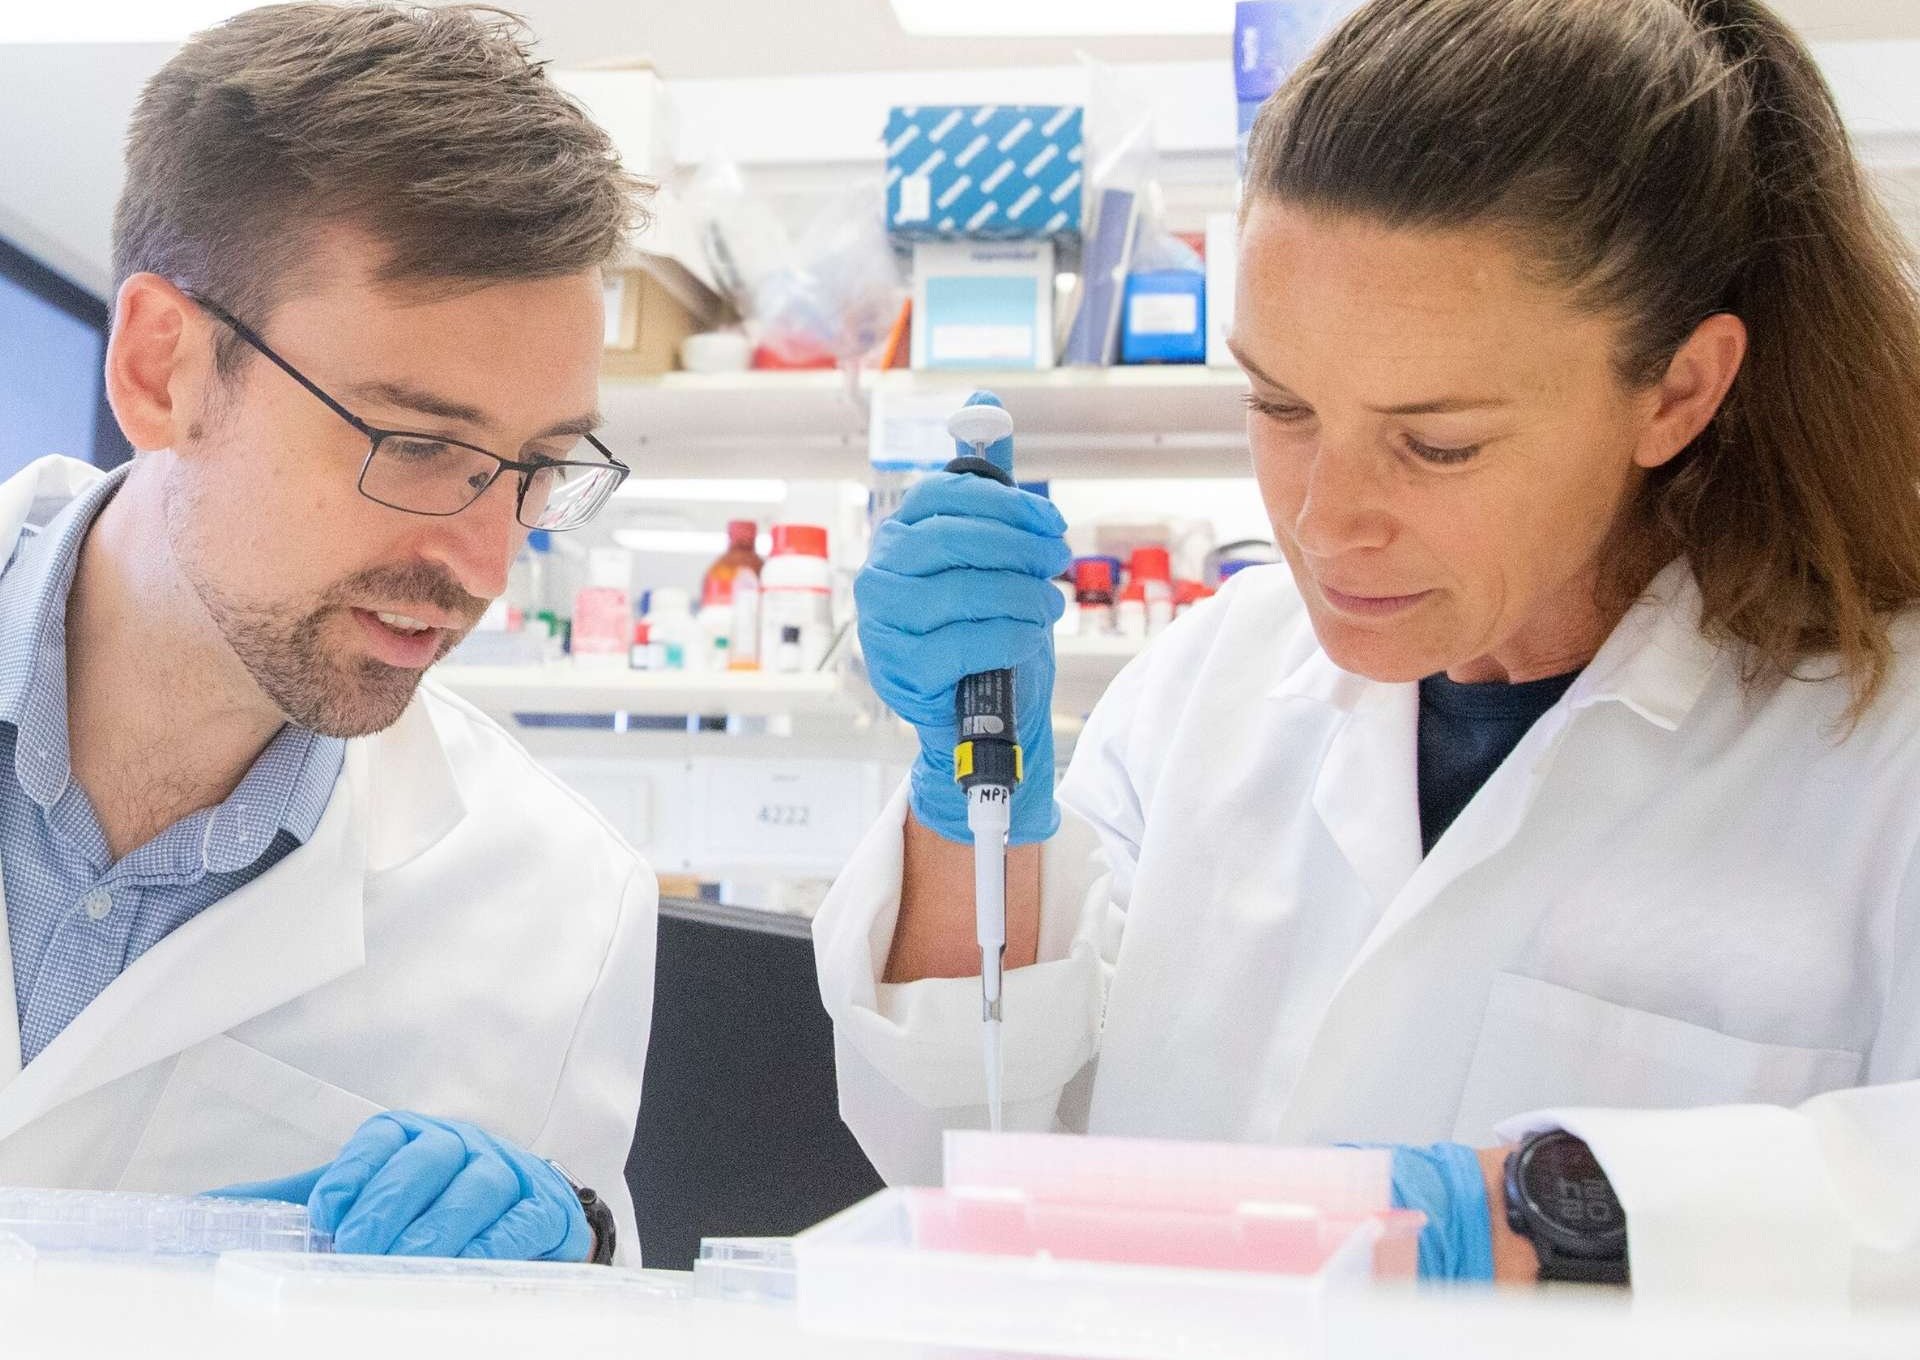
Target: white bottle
787,660
796,591
716,635
673,633
1131,617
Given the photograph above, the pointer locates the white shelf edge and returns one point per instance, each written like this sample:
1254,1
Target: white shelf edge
565,688
1141,421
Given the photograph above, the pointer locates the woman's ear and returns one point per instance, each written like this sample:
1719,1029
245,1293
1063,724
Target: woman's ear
1690,393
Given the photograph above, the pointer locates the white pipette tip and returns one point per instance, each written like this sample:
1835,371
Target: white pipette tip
990,1039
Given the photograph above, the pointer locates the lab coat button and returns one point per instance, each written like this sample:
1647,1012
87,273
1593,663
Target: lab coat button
99,903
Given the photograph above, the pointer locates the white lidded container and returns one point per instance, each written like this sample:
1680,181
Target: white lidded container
1063,1245
796,591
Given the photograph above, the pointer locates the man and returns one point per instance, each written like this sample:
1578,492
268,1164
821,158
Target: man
263,887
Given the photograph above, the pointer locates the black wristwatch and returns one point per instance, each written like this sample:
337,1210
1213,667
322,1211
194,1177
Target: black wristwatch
1560,1200
599,1217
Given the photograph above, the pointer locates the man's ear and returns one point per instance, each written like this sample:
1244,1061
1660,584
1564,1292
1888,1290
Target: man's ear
159,362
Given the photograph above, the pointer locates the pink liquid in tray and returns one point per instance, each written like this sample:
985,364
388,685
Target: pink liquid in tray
1272,1239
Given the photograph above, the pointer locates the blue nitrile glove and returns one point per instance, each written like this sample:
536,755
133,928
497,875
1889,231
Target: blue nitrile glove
1445,1183
407,1185
960,580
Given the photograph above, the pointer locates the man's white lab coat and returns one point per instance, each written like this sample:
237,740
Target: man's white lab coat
1677,896
461,937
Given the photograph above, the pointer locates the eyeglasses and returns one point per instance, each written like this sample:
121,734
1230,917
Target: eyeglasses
429,474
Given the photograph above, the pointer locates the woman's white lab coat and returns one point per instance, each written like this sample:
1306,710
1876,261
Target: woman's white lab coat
462,937
1678,914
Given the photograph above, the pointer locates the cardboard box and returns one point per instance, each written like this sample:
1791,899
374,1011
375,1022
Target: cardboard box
651,308
979,304
984,172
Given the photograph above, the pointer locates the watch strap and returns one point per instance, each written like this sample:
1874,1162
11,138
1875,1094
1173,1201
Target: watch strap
599,1217
1557,1268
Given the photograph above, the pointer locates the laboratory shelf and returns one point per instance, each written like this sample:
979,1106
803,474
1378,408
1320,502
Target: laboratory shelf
567,688
1085,666
1171,421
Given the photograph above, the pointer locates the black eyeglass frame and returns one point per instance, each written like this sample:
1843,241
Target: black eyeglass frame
375,435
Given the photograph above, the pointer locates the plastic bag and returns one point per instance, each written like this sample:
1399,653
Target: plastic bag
830,296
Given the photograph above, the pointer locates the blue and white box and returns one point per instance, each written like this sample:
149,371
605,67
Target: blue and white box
1165,318
988,172
983,304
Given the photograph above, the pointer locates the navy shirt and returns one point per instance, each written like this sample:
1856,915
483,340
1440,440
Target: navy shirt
1465,732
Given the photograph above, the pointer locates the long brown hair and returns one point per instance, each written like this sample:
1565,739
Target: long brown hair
1665,160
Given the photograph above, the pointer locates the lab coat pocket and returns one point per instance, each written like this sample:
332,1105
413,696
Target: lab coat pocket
232,1113
1544,1046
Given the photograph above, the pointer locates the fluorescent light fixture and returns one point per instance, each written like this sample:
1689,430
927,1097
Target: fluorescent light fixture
1064,18
675,542
706,491
114,21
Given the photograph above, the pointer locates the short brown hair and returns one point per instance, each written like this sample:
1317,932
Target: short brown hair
433,129
1667,160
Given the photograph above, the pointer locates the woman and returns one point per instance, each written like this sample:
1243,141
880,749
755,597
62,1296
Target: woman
1573,767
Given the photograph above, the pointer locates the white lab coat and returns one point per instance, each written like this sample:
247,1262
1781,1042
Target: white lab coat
1675,896
462,936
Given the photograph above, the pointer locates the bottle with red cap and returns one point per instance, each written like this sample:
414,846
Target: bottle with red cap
730,598
796,591
1152,571
1093,592
1187,594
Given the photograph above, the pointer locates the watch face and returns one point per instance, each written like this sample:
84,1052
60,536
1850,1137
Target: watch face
1568,1190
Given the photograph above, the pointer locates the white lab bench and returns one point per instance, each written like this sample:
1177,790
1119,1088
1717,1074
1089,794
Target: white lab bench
81,1308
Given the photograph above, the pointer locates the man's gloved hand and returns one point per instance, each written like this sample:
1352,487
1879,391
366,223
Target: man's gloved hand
407,1185
960,580
1445,1183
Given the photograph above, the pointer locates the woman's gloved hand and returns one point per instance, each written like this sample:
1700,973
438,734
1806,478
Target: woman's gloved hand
960,580
407,1185
1445,1182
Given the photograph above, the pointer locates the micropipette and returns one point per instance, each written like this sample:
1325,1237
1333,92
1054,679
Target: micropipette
987,764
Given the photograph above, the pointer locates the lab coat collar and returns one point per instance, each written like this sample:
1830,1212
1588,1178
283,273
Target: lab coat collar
295,928
415,800
1656,662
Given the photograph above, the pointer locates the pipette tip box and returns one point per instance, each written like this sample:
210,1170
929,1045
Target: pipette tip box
1115,1247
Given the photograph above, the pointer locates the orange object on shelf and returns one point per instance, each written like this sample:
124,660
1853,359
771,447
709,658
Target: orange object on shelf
894,354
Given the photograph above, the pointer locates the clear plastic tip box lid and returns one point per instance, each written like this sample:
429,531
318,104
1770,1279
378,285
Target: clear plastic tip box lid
117,1223
1114,1247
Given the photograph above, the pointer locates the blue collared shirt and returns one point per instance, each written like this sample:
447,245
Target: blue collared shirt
76,919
